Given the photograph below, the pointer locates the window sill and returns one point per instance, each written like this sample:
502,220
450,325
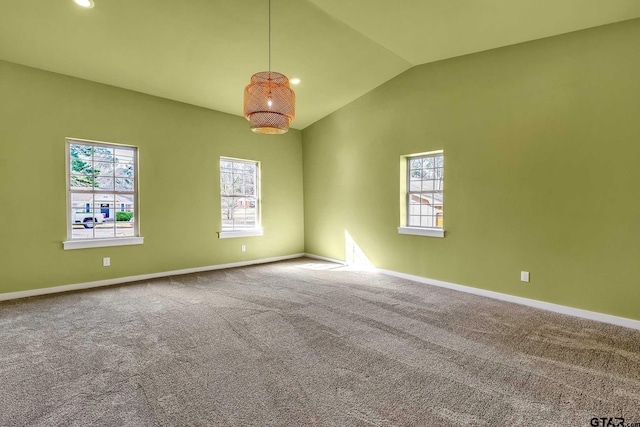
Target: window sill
419,231
100,243
240,233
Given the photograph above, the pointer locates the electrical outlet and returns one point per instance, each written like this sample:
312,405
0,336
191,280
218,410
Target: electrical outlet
524,276
244,248
106,262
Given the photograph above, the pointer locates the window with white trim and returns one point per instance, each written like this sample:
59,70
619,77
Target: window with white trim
240,197
102,188
424,205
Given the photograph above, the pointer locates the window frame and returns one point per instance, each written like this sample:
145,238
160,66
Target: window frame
243,232
93,242
405,196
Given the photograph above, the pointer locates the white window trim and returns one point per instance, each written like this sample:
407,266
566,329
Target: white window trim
70,243
404,229
101,243
251,232
240,233
422,231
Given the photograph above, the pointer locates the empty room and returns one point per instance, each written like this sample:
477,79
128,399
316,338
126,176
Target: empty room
319,213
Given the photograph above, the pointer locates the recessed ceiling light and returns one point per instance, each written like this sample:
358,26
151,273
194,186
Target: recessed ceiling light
84,3
295,81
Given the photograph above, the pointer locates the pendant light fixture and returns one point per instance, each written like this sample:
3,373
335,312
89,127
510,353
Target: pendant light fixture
269,101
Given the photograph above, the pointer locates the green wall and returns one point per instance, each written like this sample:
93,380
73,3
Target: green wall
179,150
542,152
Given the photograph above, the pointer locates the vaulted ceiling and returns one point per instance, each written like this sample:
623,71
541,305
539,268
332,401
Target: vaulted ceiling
203,52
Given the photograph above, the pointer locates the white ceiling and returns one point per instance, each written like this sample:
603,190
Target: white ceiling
203,52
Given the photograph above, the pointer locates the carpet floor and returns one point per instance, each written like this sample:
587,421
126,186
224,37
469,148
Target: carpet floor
306,343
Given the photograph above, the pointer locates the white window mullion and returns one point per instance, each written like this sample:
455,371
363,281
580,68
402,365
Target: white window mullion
102,190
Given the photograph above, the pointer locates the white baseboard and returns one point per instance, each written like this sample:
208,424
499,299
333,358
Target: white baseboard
556,308
121,280
592,315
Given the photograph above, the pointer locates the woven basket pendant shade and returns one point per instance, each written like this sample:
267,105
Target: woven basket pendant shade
269,103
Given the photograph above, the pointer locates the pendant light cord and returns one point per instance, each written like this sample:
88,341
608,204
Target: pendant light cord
269,38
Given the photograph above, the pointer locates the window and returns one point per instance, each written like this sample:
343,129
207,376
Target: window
240,197
101,180
424,192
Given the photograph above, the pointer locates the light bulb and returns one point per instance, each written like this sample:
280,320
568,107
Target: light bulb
85,3
269,102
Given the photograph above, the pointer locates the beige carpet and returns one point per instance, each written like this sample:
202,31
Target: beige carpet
306,343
